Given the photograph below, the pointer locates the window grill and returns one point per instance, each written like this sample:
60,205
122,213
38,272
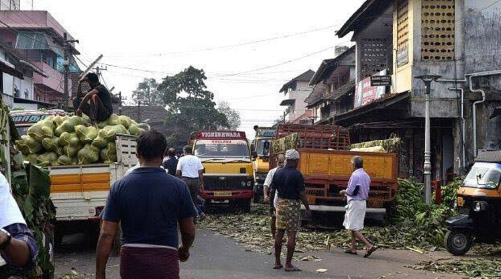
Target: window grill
438,30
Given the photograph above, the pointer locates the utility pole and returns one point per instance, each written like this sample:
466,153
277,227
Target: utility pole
120,104
427,79
66,65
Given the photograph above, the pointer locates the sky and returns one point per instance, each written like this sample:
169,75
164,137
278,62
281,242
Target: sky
152,39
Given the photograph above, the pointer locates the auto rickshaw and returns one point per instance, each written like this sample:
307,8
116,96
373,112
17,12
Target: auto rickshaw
479,206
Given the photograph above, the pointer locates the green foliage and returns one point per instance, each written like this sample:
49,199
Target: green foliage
147,93
31,189
232,115
424,222
190,105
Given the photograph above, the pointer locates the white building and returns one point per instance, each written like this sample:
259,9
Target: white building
296,91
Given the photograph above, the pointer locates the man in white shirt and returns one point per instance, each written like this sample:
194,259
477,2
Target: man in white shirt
190,169
266,189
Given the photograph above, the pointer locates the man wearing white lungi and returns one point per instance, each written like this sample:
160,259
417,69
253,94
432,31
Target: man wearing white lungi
356,196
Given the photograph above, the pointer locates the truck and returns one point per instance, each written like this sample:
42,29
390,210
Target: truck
228,176
24,119
261,157
326,167
79,192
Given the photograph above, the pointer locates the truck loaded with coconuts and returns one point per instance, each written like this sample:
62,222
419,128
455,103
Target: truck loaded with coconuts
83,160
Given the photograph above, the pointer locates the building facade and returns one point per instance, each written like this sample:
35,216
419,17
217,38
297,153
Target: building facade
333,87
40,40
296,91
405,39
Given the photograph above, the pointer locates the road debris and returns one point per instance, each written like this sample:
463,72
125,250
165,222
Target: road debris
479,268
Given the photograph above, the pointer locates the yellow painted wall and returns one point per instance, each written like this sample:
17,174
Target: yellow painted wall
403,76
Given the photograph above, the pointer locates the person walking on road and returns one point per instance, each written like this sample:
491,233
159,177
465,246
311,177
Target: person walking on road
266,193
18,248
289,183
149,204
356,195
171,163
190,169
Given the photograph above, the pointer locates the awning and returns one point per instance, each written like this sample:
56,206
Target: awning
343,90
28,101
8,68
380,110
288,102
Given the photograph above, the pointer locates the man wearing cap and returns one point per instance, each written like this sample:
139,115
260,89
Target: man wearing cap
289,184
356,196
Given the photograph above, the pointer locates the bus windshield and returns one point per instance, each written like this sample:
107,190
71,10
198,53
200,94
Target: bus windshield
263,147
222,149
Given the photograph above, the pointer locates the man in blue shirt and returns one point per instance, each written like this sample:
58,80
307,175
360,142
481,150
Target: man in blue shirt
170,164
288,182
149,204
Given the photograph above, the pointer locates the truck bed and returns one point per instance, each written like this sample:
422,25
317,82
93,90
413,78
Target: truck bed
326,172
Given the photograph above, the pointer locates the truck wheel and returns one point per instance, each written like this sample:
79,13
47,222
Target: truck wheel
256,198
246,206
458,242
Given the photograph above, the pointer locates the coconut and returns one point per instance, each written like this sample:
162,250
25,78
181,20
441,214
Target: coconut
86,134
88,155
109,154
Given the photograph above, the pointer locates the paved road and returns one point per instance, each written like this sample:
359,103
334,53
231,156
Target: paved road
215,256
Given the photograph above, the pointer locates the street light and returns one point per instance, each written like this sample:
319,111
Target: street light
427,79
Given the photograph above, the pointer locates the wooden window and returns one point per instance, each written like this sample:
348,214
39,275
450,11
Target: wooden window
402,24
438,30
373,56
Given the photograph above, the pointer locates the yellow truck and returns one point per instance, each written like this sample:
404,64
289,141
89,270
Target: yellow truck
326,166
261,158
226,159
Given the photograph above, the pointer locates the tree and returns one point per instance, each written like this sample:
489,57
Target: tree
190,105
147,93
232,115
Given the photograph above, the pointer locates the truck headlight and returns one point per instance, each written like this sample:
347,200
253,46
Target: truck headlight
479,206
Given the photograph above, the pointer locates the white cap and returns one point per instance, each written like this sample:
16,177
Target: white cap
292,154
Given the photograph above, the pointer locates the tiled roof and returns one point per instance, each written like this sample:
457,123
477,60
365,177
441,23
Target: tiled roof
306,77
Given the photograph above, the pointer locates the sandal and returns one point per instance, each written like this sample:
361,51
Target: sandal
292,269
278,266
370,251
351,252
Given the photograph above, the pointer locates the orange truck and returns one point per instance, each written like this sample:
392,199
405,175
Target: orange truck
326,166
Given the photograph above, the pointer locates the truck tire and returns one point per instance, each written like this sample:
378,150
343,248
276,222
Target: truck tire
458,242
246,206
256,198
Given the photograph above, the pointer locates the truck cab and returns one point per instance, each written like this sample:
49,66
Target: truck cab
226,158
24,119
261,158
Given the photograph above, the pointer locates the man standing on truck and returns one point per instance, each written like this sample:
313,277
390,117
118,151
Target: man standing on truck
95,103
266,192
289,183
190,169
18,248
357,194
149,204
